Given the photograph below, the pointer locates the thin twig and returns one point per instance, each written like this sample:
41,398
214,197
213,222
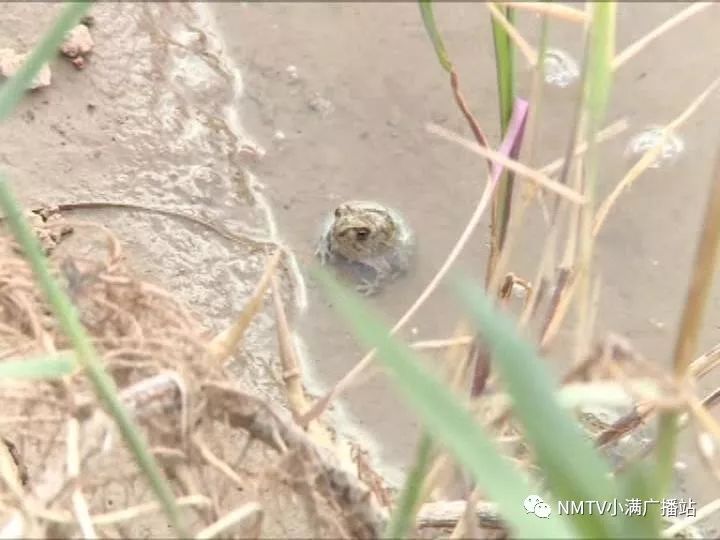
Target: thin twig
237,516
225,342
515,166
119,516
525,48
441,343
634,48
559,11
80,506
701,279
691,321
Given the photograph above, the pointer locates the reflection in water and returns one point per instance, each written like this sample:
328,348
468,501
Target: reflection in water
561,69
651,138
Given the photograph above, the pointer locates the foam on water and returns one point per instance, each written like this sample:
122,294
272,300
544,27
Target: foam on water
560,68
652,137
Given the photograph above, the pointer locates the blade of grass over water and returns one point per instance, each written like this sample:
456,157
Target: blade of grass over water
599,65
10,93
47,367
407,506
574,469
504,64
428,18
447,420
12,90
597,82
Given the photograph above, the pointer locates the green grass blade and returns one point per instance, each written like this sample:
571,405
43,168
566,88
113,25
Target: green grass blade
598,80
404,515
637,483
46,367
447,420
575,471
505,67
12,90
428,18
504,64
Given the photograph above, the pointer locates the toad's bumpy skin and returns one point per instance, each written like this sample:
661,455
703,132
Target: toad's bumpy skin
368,236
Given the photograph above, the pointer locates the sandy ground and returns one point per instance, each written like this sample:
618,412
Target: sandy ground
152,120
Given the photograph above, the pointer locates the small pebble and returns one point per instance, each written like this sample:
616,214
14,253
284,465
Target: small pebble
518,291
292,73
77,44
279,135
657,324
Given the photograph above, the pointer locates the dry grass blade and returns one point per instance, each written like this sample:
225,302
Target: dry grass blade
558,11
706,362
658,31
224,343
234,518
430,344
690,323
515,166
448,513
218,463
523,46
291,368
701,279
80,506
292,376
704,417
120,516
650,156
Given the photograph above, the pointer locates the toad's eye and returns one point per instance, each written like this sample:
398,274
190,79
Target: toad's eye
362,233
338,212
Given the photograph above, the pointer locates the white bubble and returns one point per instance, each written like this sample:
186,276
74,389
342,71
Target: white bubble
530,502
651,138
560,68
542,510
292,73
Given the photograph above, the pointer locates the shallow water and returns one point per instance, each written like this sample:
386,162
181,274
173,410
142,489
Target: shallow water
374,65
